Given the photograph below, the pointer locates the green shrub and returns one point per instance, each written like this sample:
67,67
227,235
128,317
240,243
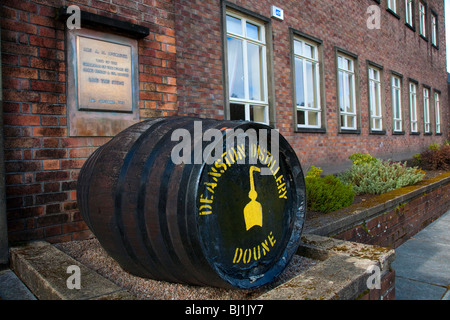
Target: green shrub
326,194
358,158
314,172
434,146
377,177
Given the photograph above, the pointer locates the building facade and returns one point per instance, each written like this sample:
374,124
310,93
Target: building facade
335,77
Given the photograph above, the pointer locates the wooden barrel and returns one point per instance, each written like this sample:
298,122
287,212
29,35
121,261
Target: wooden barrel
215,223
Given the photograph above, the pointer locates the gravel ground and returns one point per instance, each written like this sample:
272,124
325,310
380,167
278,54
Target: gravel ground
91,254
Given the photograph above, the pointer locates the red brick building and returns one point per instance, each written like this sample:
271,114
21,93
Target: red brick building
335,77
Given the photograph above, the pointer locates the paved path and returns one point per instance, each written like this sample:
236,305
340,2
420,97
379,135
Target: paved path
422,264
11,288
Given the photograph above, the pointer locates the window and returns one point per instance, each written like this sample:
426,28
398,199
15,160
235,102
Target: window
422,19
307,84
426,110
413,107
434,30
347,92
437,113
247,69
397,103
392,5
376,117
409,12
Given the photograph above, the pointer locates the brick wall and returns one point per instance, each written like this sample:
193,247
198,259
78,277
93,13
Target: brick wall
42,162
181,72
338,23
394,227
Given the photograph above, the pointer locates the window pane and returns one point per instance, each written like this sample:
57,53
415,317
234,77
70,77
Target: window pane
235,69
310,85
255,81
348,92
374,92
253,31
348,64
378,124
313,118
351,122
341,91
257,113
309,51
298,47
397,103
299,84
340,62
301,117
237,111
234,25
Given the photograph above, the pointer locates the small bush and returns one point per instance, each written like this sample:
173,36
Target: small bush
326,194
359,158
377,177
434,158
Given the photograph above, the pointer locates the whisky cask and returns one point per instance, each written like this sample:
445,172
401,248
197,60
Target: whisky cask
214,220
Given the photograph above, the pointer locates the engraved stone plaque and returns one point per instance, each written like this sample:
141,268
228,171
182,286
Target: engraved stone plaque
102,88
104,75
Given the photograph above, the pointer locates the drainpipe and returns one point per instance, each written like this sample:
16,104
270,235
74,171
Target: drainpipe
4,250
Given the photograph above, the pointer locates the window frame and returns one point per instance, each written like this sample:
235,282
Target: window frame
355,94
423,20
392,5
397,118
434,31
296,35
409,19
437,112
380,98
268,102
392,9
426,110
411,110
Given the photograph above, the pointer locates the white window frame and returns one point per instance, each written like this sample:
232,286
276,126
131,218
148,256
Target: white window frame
392,5
396,83
409,12
376,110
434,30
422,19
315,60
246,101
413,107
343,113
426,110
437,112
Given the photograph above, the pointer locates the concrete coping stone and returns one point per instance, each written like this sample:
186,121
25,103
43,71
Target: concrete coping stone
342,274
44,269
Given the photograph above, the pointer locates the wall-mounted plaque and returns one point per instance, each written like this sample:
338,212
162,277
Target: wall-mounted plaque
104,75
102,82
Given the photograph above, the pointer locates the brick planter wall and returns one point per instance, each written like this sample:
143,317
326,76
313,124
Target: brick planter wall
392,218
